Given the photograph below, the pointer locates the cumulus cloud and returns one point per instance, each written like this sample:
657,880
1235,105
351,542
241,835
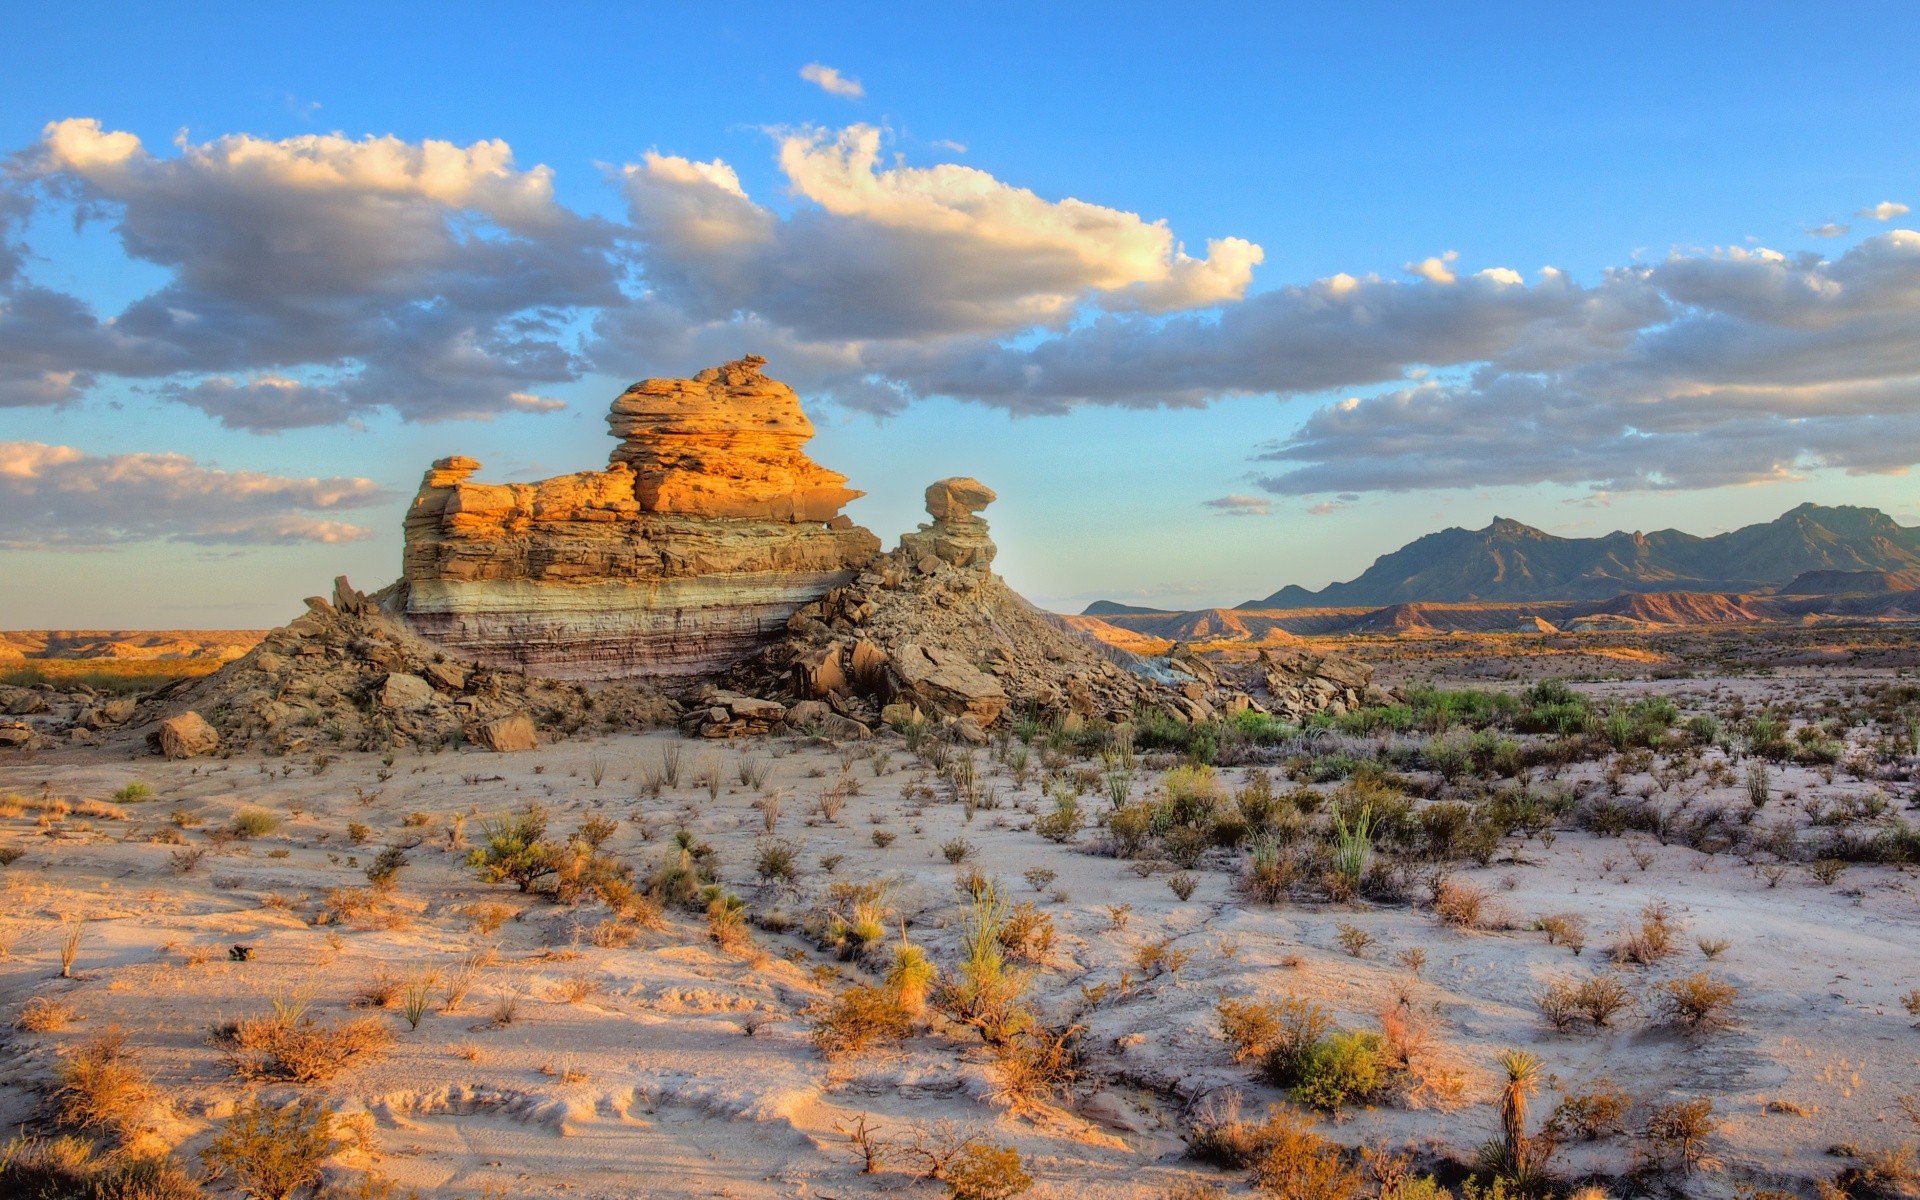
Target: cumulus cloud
1832,229
902,252
1237,505
1886,210
1766,366
62,497
429,278
832,82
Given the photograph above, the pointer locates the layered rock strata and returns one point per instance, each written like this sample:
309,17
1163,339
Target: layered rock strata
708,529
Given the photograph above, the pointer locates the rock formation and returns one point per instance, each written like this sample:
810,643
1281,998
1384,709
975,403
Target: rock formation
708,529
346,676
957,536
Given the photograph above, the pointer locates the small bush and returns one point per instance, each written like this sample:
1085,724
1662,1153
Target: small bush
982,1172
516,849
1699,1001
273,1153
1598,1112
299,1049
1681,1129
1459,904
100,1088
1649,941
1277,1033
252,823
859,1018
1299,1164
1343,1068
44,1014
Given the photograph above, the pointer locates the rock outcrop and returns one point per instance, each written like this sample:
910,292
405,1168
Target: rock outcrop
346,676
957,537
929,632
707,530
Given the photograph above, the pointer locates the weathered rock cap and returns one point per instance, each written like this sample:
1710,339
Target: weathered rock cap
726,443
958,499
957,536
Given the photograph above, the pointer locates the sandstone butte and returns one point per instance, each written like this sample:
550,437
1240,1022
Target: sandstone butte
708,529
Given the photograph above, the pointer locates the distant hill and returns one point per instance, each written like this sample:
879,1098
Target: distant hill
1509,562
1849,583
1111,608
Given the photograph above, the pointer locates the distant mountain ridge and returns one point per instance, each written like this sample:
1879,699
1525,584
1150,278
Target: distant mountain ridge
1509,562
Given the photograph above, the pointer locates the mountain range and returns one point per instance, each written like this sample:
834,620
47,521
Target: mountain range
1825,548
1811,550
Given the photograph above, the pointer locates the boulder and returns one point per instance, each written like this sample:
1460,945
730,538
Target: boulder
404,693
808,713
186,736
939,681
504,735
118,712
448,677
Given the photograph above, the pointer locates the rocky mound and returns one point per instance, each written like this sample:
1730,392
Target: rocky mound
929,632
709,527
345,676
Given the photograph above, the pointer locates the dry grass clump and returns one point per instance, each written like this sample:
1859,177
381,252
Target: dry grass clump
1564,929
1596,999
61,1167
857,1019
101,1088
1655,937
45,1014
1697,1002
1285,1156
273,1153
292,1047
1599,1111
983,1172
1461,905
361,908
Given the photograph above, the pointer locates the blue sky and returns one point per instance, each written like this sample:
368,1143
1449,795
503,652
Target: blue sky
1714,349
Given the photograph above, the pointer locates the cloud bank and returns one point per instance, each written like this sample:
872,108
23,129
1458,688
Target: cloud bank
58,497
314,280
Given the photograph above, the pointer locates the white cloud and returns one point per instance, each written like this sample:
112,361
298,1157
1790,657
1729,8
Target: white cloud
1236,505
1886,210
949,144
903,252
1436,270
61,497
1832,229
832,82
425,277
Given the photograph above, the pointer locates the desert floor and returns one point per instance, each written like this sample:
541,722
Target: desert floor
670,1066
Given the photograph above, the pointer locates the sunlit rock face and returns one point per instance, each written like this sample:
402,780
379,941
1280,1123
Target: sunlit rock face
707,530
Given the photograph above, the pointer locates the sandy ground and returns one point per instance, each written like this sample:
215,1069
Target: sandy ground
671,1068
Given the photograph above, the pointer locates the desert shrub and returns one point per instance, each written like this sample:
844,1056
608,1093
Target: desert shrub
385,869
101,1088
1298,1164
985,992
1276,1033
1680,1130
1564,929
776,860
44,1014
1597,1112
1270,873
1037,1065
1651,939
299,1049
1064,823
252,823
1342,1068
1698,1001
515,849
1459,904
1183,884
273,1153
1027,933
859,1018
134,793
983,1172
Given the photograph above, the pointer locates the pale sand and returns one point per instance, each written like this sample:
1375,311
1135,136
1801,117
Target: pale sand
673,1099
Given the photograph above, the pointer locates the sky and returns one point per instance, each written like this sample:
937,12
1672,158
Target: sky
1217,298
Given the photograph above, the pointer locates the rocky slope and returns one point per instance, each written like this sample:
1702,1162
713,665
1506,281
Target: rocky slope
709,527
1511,562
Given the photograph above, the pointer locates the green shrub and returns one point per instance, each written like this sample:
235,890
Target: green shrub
516,849
252,823
1343,1068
